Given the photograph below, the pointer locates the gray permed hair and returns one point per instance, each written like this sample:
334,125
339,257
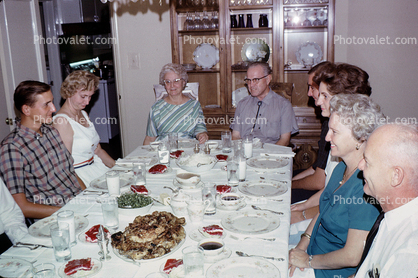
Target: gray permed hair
176,68
359,113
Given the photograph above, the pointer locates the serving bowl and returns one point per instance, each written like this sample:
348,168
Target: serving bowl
135,211
196,163
188,178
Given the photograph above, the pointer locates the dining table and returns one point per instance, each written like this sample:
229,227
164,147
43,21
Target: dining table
267,242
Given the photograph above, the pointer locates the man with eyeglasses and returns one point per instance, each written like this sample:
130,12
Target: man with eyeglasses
264,114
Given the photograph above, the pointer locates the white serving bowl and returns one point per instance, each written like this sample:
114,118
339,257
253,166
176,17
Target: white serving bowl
135,211
186,164
188,178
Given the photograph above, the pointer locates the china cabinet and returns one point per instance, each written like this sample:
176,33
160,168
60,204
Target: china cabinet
221,37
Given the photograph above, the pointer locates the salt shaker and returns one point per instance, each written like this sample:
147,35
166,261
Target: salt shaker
196,148
103,242
207,149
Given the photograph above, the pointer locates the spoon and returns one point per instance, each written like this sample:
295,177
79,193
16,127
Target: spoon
242,254
237,238
257,208
174,190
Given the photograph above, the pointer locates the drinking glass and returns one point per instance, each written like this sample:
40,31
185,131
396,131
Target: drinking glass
209,193
110,213
226,141
67,216
173,141
193,261
60,237
140,172
248,146
232,167
113,183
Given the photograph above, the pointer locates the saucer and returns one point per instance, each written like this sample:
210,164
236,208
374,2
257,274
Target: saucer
225,254
240,205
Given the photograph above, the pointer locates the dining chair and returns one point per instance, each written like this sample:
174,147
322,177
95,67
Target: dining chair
191,90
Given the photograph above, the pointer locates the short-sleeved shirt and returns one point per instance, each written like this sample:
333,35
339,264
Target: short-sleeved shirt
275,117
339,211
323,150
185,119
41,167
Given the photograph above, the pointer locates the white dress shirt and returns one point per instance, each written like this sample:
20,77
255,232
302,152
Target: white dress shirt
12,221
395,248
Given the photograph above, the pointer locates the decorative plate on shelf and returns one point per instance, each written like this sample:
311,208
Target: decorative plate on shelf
206,55
309,53
257,50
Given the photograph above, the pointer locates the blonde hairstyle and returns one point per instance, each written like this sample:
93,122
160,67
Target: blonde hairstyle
79,80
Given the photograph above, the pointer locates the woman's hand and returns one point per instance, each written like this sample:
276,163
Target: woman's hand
202,137
297,258
298,207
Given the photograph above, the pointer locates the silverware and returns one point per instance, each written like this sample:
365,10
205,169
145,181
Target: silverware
31,246
237,238
173,190
242,254
276,212
155,200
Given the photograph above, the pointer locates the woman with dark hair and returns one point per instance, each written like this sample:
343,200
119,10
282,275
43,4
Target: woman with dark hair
77,131
333,242
176,112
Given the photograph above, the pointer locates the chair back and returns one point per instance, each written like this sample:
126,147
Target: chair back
191,91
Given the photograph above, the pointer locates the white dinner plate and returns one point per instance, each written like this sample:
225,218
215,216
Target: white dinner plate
263,188
126,179
12,267
251,222
97,265
309,50
129,260
41,227
267,162
128,161
206,55
237,267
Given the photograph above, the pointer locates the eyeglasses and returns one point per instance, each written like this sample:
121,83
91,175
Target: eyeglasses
254,80
174,82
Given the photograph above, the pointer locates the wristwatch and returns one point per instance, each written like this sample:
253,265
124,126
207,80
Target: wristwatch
310,259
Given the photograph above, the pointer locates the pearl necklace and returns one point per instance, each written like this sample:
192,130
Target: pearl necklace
344,176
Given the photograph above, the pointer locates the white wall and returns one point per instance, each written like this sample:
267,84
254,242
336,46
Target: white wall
145,30
392,67
142,30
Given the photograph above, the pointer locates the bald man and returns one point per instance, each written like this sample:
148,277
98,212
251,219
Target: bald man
390,169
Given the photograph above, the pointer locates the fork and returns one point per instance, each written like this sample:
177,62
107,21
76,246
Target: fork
237,238
258,208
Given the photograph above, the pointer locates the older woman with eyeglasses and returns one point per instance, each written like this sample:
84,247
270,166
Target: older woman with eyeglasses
176,112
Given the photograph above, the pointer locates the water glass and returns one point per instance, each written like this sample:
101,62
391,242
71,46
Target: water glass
196,210
60,236
173,141
113,183
232,167
67,216
140,172
248,146
226,141
110,213
209,193
193,261
44,270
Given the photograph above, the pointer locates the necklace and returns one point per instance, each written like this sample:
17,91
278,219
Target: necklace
345,176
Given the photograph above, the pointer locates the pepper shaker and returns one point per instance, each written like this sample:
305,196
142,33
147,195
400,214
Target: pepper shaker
207,149
196,148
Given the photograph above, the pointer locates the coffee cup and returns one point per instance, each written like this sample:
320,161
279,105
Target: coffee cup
211,246
230,199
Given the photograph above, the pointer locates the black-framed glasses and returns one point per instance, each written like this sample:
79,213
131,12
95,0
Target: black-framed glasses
254,80
176,81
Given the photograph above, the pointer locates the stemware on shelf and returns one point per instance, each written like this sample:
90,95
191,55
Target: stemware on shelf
214,20
306,22
198,24
206,23
316,22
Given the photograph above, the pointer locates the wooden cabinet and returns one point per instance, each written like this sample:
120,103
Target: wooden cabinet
297,35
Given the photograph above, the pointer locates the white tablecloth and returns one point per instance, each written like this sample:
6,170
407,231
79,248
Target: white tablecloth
116,267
